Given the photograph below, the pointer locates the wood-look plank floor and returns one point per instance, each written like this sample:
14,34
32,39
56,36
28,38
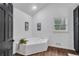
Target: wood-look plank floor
53,51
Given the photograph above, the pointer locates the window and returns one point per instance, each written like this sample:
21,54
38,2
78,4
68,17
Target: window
60,24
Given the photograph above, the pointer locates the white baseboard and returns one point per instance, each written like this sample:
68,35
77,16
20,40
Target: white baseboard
61,47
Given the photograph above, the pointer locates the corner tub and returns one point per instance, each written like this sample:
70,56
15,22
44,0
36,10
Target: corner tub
34,45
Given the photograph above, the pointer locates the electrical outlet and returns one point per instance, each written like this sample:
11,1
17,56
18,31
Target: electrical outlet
58,44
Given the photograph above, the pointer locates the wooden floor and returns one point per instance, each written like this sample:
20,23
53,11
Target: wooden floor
53,51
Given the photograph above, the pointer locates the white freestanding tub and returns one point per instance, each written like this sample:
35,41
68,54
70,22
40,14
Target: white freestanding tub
34,45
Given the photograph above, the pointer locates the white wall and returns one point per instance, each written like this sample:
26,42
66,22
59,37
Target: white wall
46,16
19,26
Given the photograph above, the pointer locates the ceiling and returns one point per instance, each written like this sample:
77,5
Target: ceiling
27,7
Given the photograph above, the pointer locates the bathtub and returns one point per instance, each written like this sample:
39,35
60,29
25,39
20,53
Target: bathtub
34,45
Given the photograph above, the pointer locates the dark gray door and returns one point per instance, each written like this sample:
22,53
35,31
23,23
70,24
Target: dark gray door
6,30
76,28
1,30
1,25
